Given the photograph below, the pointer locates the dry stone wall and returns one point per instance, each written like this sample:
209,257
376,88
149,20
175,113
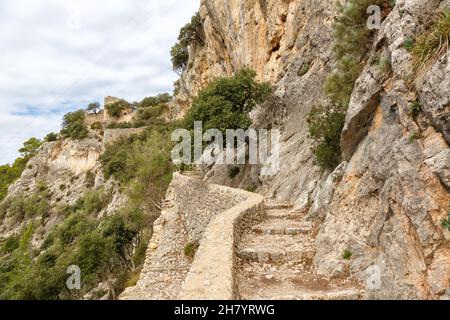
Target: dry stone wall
195,212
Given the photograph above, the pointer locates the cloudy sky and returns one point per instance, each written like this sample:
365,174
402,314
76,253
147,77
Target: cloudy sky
57,56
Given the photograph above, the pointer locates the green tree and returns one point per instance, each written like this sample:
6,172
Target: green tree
115,109
226,102
74,125
191,33
51,137
30,147
93,106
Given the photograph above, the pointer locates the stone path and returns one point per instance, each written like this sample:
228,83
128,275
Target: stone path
275,261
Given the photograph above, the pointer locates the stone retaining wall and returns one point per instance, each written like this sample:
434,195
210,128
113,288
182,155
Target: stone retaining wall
195,212
112,135
211,276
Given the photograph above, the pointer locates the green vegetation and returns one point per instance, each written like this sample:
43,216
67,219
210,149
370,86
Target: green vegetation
226,102
191,33
414,136
73,125
97,126
233,172
27,206
252,188
10,173
115,109
347,254
89,179
352,41
445,223
415,108
93,106
432,44
51,137
408,43
303,69
30,148
98,248
325,125
142,162
176,87
190,249
154,101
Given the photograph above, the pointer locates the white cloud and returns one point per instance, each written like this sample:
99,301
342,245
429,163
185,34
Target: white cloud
59,55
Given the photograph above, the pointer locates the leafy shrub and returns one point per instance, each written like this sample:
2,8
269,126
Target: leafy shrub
150,114
89,179
176,87
97,126
233,172
347,254
325,126
445,223
303,69
115,109
415,136
9,245
352,41
154,101
226,102
9,174
95,201
433,43
51,137
191,33
73,125
93,106
30,148
415,109
37,204
190,249
408,43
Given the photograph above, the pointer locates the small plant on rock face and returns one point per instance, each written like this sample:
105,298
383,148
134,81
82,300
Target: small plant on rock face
433,43
445,223
233,172
347,254
414,109
325,126
303,69
415,136
190,249
408,43
252,188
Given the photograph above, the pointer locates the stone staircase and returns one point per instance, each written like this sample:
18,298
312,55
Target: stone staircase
275,261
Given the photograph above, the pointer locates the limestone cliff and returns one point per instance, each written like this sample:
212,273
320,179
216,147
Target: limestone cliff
385,203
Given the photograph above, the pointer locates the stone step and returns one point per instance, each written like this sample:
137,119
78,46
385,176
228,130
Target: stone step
348,294
287,227
192,174
269,204
292,281
275,248
282,214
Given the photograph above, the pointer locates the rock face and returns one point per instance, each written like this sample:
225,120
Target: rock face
64,167
385,203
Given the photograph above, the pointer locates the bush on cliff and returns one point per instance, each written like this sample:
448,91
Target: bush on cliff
73,125
352,41
226,102
433,43
191,33
115,109
10,173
